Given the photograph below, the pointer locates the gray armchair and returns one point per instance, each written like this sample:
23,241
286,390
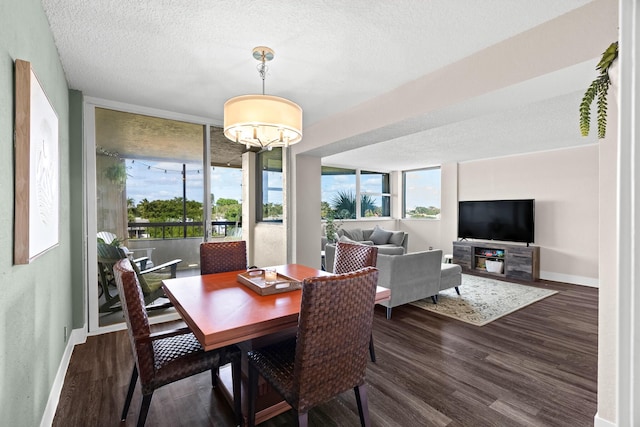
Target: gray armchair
410,277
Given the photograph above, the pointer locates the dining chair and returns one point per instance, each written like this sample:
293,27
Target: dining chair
165,357
328,355
352,257
219,257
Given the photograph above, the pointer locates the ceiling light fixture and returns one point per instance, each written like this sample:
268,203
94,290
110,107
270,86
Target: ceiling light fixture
263,121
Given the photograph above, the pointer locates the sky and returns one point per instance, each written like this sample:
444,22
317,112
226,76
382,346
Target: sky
148,179
423,188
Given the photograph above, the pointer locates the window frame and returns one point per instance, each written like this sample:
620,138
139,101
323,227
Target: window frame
357,172
404,193
386,176
260,181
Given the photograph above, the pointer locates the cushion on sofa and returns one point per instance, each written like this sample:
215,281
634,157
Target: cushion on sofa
396,238
380,236
354,234
450,276
355,242
390,249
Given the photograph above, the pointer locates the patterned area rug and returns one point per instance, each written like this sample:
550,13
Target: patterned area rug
483,300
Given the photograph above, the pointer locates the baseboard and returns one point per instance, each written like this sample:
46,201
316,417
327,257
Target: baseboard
599,422
568,278
77,336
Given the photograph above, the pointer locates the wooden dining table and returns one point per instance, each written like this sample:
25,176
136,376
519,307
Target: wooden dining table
222,311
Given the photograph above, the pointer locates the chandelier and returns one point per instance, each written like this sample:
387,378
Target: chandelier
263,121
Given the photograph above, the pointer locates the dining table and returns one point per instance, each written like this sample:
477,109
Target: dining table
220,310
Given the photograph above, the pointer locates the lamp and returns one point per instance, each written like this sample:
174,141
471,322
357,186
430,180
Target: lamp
263,121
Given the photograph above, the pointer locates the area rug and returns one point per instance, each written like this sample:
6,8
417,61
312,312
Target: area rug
483,300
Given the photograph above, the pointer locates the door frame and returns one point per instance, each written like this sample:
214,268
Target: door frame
92,320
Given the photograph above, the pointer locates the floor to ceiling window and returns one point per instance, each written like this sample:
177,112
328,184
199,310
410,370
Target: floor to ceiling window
149,194
150,179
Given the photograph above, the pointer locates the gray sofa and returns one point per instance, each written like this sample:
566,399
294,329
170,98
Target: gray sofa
388,242
416,276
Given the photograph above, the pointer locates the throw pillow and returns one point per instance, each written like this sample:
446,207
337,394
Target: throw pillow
354,234
344,238
396,238
380,236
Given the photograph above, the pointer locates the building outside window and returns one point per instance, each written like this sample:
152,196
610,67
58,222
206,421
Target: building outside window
269,177
421,190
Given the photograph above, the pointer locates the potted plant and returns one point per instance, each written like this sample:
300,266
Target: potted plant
598,90
331,229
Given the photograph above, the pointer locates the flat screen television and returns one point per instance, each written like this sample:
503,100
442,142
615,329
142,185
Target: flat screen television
506,220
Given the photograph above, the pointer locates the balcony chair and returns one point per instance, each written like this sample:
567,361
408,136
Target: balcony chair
328,355
150,279
220,257
352,257
143,262
165,357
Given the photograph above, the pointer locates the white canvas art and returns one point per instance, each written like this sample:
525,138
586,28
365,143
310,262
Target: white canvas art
44,186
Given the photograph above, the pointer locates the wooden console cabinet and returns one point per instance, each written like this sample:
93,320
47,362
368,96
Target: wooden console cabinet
518,262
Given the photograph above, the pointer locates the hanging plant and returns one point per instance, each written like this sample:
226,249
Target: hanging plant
117,173
598,90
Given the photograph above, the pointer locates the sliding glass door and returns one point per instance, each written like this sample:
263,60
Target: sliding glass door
150,177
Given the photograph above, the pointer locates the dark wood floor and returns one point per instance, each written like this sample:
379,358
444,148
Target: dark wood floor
534,367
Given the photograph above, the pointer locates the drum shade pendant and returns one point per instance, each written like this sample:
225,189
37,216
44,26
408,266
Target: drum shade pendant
263,121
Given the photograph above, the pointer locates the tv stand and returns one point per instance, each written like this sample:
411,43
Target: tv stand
515,261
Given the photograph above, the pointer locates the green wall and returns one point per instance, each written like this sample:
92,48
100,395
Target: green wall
36,300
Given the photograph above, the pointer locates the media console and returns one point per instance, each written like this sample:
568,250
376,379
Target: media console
515,261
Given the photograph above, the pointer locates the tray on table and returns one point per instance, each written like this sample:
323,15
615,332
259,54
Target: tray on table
254,280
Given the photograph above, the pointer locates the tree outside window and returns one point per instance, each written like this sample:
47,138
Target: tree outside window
339,194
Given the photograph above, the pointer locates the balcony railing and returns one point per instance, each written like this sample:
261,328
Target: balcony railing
181,230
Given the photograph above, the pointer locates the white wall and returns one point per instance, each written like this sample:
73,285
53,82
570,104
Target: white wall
270,244
564,184
305,217
608,254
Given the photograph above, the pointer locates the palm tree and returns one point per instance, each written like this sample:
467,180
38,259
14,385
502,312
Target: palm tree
344,204
367,204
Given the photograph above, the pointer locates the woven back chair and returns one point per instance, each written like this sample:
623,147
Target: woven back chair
328,356
163,358
352,257
219,257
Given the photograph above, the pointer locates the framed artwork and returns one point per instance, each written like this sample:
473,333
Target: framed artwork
37,168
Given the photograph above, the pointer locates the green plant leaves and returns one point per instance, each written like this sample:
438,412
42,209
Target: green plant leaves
598,89
608,56
585,107
603,88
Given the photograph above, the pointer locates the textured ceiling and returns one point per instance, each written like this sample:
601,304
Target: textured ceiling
191,56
